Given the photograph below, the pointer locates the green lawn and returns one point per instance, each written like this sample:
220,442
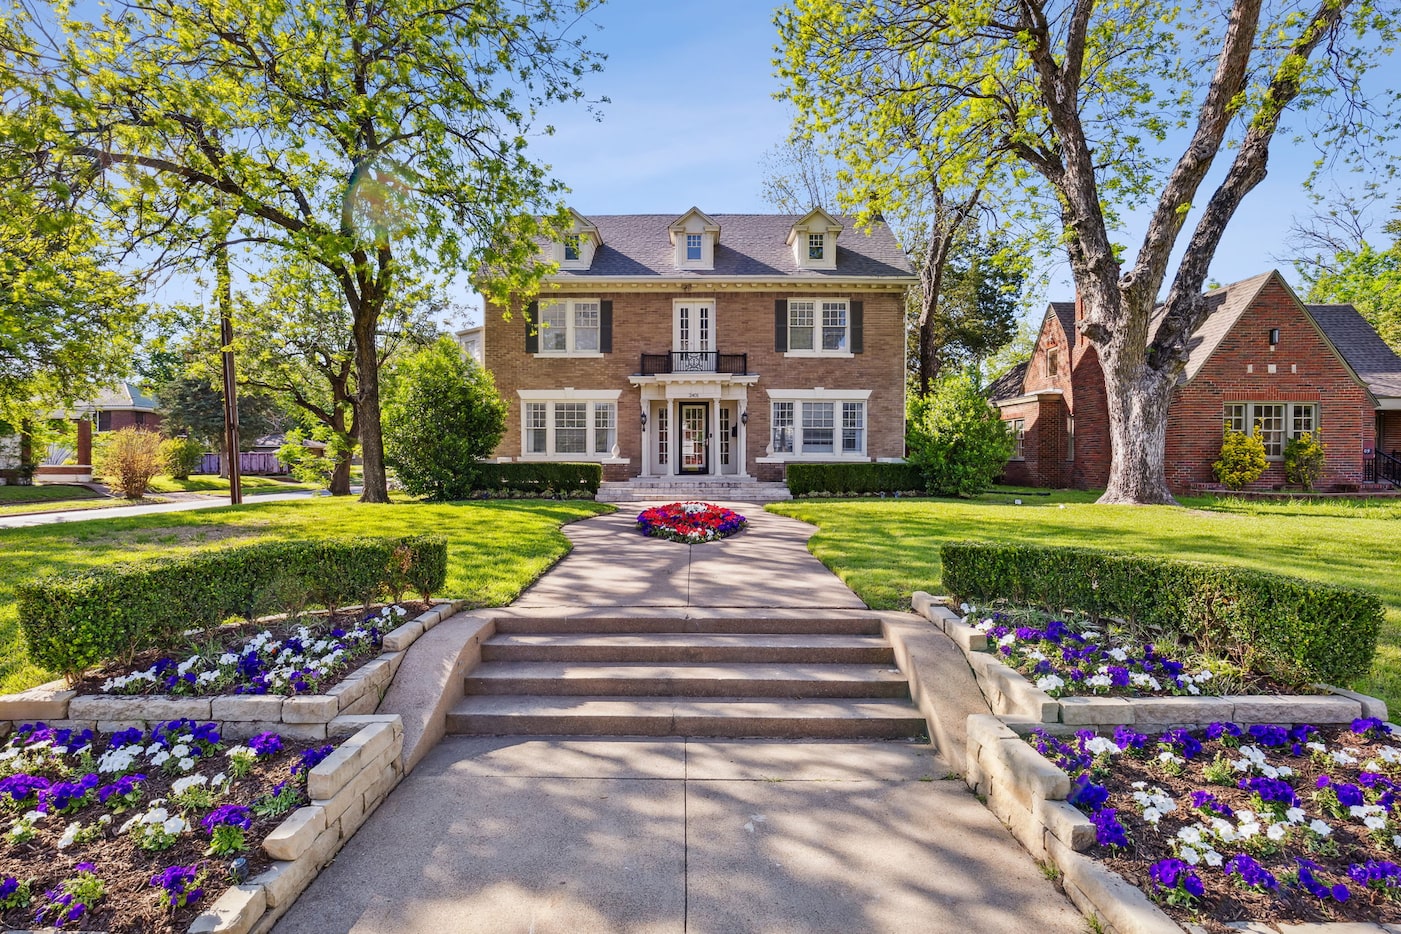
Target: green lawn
495,548
20,500
885,549
219,486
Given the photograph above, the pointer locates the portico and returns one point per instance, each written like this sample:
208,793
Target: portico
694,424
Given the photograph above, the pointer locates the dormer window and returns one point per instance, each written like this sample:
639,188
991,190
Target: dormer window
571,249
814,240
693,239
693,247
576,248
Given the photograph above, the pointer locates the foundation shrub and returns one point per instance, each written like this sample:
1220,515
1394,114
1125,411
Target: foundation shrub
544,479
854,479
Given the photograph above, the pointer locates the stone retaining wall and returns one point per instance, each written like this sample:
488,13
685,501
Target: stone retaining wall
304,716
345,788
1009,693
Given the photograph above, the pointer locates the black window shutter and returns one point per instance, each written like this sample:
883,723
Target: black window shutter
605,326
857,326
780,325
532,333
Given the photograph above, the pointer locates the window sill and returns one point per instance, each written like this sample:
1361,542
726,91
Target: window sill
573,355
573,459
829,354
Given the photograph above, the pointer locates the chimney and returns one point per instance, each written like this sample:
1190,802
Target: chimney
1079,306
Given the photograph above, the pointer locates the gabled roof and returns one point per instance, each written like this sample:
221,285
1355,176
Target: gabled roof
1065,311
1225,305
122,396
814,220
708,222
638,245
585,226
1009,384
1361,346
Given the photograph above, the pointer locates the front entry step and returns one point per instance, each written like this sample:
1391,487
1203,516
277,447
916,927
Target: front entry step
651,679
733,718
689,647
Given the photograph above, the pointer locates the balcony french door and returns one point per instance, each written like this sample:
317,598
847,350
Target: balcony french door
695,445
693,337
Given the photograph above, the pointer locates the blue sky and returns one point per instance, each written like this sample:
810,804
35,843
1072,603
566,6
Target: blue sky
692,112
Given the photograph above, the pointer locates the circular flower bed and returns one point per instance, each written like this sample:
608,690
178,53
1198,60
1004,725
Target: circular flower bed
690,522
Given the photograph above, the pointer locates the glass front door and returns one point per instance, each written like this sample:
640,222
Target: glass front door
695,447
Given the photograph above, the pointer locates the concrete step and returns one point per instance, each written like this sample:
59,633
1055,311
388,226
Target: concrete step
666,648
737,717
639,680
853,626
674,489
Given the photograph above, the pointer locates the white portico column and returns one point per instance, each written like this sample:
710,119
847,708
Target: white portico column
742,442
712,455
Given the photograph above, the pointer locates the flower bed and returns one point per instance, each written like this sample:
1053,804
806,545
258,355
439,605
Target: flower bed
1229,823
690,522
294,658
139,830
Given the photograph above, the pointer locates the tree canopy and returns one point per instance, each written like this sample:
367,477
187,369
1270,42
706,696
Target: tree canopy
381,141
1089,108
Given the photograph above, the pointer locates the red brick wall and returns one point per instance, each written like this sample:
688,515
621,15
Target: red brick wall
1306,370
1026,471
744,323
125,418
1389,431
1090,470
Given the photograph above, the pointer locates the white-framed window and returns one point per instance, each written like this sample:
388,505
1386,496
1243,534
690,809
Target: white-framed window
570,327
1018,439
571,248
1273,422
782,419
570,426
819,326
818,424
816,245
1070,437
822,424
693,246
663,434
853,427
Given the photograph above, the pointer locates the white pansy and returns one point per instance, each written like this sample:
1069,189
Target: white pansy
1294,815
1248,829
1316,747
1188,855
1320,828
1007,639
1212,858
182,785
1099,681
1036,656
1050,682
180,750
1202,677
1190,835
1101,745
1119,655
1193,689
1277,832
160,758
70,834
1342,757
1389,754
175,825
186,764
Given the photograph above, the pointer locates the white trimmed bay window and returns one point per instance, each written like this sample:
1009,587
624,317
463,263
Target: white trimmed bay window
1273,422
569,424
818,423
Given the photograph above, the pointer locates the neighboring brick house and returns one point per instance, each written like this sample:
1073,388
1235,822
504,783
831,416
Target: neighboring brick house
121,406
722,346
1262,362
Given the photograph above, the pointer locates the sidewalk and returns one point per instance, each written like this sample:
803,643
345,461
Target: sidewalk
122,512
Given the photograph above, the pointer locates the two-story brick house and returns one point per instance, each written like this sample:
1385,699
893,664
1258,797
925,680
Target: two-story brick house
715,347
1263,362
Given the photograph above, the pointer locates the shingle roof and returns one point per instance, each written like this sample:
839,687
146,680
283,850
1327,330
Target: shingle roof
1009,384
123,396
1065,311
750,245
1227,304
1362,347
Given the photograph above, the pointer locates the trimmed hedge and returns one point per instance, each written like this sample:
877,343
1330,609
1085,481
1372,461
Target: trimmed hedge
74,621
544,478
1292,629
857,479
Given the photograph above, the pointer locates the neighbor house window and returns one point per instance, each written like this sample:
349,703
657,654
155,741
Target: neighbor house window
1273,422
1018,439
104,421
1070,437
570,327
815,245
569,428
813,320
1053,361
783,428
693,246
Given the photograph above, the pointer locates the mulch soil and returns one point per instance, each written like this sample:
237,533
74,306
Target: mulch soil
131,903
232,638
1225,900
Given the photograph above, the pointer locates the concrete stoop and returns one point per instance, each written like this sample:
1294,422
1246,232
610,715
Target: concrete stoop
728,676
675,489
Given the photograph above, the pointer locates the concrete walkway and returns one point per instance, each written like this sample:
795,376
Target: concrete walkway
542,835
568,836
766,565
118,511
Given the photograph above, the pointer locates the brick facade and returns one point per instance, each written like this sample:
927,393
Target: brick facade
1243,367
642,322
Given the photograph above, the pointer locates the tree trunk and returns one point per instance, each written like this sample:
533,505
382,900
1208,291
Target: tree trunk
340,477
376,484
1138,411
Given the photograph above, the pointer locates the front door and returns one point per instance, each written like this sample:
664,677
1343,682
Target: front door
695,446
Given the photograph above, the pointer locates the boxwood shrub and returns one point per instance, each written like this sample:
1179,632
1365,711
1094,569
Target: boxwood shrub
856,479
1292,629
542,478
74,621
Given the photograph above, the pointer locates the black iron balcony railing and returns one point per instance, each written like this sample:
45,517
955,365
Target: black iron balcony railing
1382,468
695,361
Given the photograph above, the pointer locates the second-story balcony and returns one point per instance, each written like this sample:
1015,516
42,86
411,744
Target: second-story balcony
694,361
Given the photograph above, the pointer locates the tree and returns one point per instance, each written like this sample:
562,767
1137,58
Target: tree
1082,95
442,415
379,141
128,459
1338,264
798,178
193,406
959,442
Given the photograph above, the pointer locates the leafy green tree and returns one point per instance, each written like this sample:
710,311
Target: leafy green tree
181,456
442,415
1072,103
382,142
194,407
959,442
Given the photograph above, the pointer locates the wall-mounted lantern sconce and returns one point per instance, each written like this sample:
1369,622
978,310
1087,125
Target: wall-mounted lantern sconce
744,418
1274,336
644,421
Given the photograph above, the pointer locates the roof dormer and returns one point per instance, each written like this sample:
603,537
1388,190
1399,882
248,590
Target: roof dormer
814,240
693,238
580,243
